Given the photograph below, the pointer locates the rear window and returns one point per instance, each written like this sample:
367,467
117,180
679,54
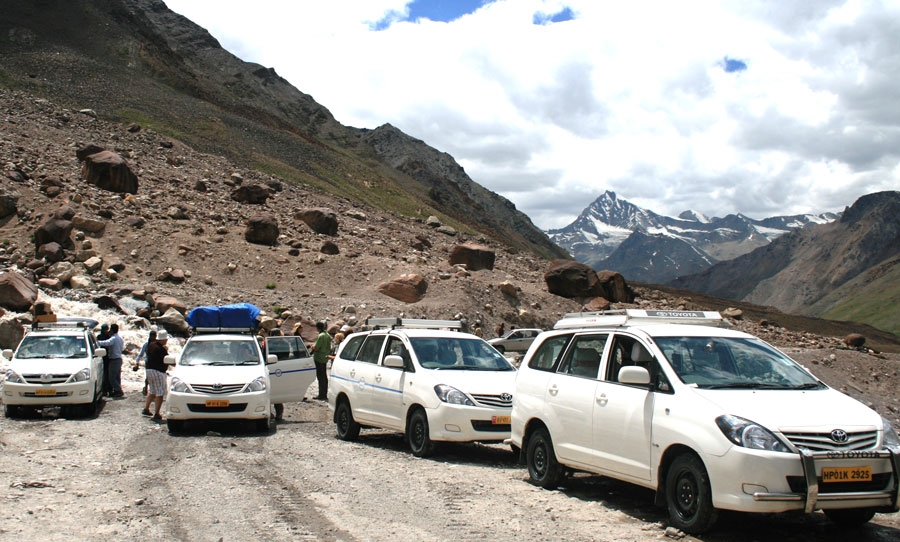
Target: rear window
350,347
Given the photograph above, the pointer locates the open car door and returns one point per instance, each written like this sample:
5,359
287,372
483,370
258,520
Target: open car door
295,370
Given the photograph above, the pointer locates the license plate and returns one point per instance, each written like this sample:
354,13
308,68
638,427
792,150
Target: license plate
217,403
500,420
45,391
847,474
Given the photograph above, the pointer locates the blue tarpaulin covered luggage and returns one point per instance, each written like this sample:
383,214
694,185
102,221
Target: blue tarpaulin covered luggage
237,315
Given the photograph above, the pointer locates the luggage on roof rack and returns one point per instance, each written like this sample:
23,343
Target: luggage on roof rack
66,323
418,323
224,318
626,317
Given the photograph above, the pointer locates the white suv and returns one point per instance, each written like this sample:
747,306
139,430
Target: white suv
419,378
709,418
56,364
224,374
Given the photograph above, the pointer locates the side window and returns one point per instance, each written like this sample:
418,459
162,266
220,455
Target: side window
370,349
351,347
583,357
547,355
619,356
395,347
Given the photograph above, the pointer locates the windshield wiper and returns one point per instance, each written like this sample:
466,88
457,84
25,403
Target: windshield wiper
808,386
220,363
747,386
248,362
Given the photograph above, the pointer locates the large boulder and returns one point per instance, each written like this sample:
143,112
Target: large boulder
262,230
55,230
322,221
11,333
17,293
474,257
174,322
108,171
617,290
251,193
568,278
409,288
9,202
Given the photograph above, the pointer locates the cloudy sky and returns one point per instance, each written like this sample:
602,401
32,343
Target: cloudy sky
760,107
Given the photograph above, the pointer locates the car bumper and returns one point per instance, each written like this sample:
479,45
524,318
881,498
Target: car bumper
460,423
48,395
753,481
199,406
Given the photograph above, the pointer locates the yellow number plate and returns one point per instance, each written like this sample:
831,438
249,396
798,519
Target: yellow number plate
847,474
502,420
45,391
217,403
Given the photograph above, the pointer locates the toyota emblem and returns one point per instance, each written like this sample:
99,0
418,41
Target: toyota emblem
506,396
217,387
840,436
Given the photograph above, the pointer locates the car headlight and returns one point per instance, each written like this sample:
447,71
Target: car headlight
890,434
11,376
178,385
81,376
451,395
257,385
749,435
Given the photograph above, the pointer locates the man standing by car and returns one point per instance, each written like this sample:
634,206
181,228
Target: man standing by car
156,375
321,349
114,346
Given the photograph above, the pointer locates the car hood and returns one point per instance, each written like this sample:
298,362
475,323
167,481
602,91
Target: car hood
218,374
795,410
477,382
49,365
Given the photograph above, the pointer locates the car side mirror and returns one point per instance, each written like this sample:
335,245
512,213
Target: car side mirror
100,352
271,358
638,376
394,361
7,353
169,360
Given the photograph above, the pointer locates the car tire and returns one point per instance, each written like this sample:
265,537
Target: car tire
265,426
417,434
543,468
175,427
347,428
689,496
851,517
11,411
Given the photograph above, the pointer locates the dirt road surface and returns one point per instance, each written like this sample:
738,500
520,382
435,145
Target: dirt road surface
121,475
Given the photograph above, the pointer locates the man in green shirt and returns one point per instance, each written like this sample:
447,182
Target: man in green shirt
321,349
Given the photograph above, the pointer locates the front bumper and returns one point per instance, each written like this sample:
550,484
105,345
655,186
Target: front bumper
461,423
754,481
38,395
200,406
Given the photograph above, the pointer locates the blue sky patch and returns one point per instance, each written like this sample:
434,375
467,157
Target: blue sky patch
443,10
566,14
733,65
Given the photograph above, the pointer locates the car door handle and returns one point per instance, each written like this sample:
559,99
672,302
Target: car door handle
602,399
353,374
553,390
378,378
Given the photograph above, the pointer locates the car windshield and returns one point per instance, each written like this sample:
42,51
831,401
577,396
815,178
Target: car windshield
35,347
225,352
721,363
459,354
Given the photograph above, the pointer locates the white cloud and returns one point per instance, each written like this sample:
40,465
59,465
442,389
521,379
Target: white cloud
627,96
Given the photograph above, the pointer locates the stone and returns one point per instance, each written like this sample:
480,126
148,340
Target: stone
408,288
17,293
474,257
108,171
320,220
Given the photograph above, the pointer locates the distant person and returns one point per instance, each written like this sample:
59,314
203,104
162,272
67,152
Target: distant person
501,328
106,389
114,346
321,349
141,355
338,339
156,374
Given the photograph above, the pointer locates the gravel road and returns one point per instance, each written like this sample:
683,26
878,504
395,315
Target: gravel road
122,475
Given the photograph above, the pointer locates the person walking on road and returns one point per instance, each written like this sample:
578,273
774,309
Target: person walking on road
114,346
141,355
156,375
321,350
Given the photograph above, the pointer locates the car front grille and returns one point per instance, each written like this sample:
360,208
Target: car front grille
217,389
823,442
44,396
502,401
879,482
233,407
58,378
486,425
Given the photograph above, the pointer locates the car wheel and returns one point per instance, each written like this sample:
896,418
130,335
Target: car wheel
347,428
688,495
851,517
266,425
10,411
417,435
543,469
175,427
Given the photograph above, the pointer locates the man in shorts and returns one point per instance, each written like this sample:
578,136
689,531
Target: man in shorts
156,375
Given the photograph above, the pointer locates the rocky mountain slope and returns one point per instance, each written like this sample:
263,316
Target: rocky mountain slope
135,61
847,268
612,233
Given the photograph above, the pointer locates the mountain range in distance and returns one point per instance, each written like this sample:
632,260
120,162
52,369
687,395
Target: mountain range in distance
612,233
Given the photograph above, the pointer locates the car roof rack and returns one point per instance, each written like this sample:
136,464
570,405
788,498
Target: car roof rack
208,330
413,323
67,323
632,317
